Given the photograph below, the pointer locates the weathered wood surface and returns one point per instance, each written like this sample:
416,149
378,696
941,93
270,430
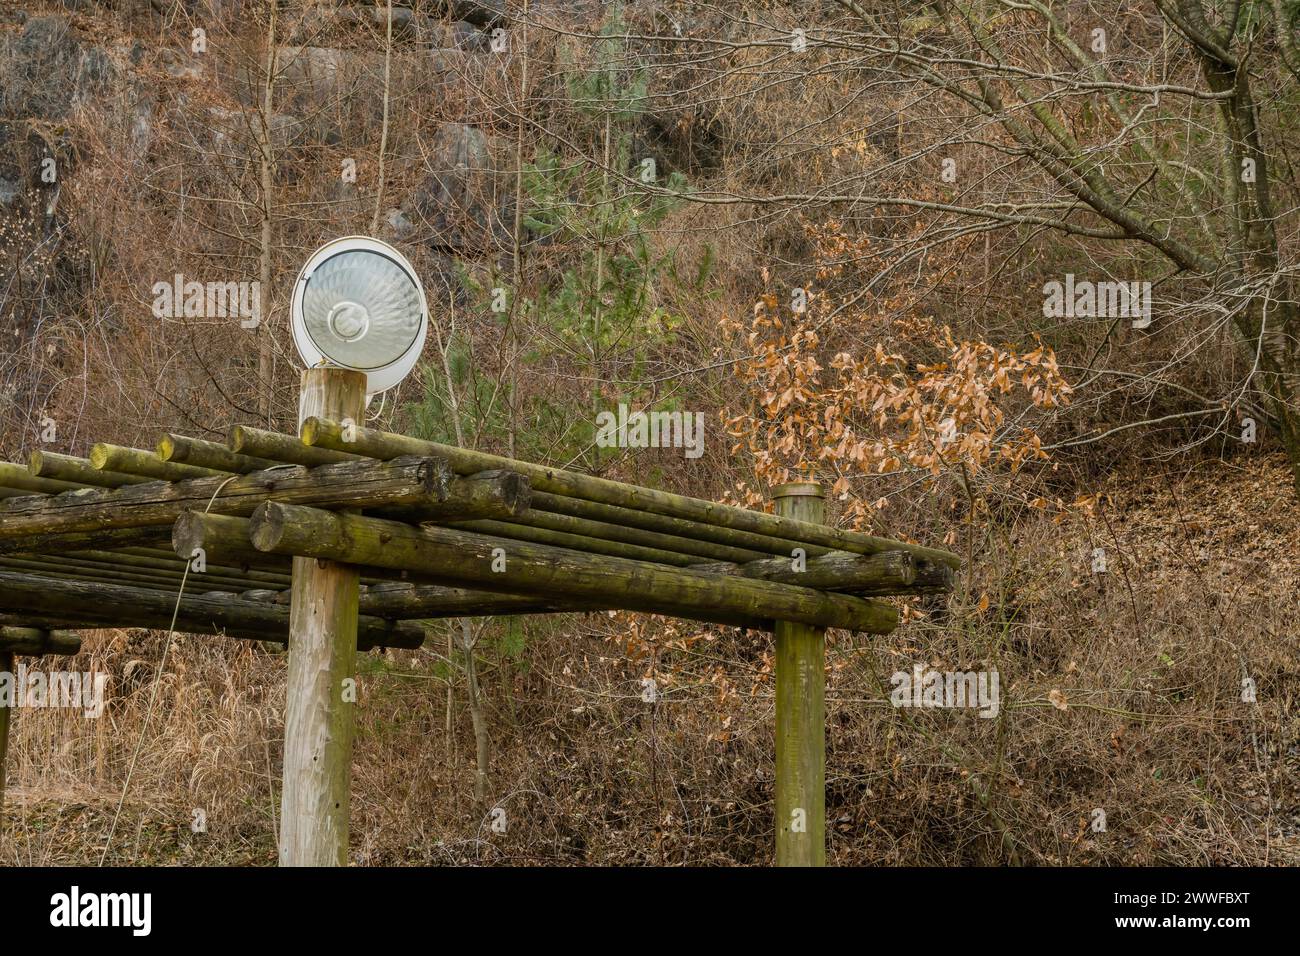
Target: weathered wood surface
19,479
750,546
78,471
418,601
319,716
459,557
207,454
800,671
406,482
246,440
577,542
226,541
890,572
422,598
326,433
109,573
79,603
168,562
599,536
99,538
138,461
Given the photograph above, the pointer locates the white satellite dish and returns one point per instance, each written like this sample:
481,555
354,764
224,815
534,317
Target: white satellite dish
358,304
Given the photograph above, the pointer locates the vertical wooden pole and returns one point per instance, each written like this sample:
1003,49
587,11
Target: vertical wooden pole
315,803
800,714
6,665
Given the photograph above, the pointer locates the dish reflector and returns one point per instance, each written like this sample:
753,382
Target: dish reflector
358,304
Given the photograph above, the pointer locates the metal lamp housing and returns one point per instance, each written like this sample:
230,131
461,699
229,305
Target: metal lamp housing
358,304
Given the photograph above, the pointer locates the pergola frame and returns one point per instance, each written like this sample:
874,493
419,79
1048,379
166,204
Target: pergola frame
337,540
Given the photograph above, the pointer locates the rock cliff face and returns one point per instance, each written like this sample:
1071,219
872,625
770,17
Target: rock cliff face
328,93
170,112
137,143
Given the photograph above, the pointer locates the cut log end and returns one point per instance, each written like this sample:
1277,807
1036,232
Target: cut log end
167,449
187,534
267,526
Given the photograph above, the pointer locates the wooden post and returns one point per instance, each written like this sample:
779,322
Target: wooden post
800,713
315,804
6,665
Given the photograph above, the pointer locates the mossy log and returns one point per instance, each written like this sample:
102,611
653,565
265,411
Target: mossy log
137,461
464,558
111,572
16,478
207,454
576,542
419,483
246,440
415,601
226,541
323,433
799,668
168,562
742,545
678,550
78,471
35,542
85,604
890,572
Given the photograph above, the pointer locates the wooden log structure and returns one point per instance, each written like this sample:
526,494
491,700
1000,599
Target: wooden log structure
20,480
137,461
425,599
87,604
800,671
339,539
422,486
78,471
316,792
207,454
325,433
468,559
66,567
889,572
246,440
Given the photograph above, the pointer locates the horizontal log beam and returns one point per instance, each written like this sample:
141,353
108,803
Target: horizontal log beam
467,559
680,550
208,454
18,478
87,604
36,640
890,572
168,562
428,601
66,567
247,440
575,542
33,542
322,433
414,601
743,545
419,483
137,461
225,540
78,471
